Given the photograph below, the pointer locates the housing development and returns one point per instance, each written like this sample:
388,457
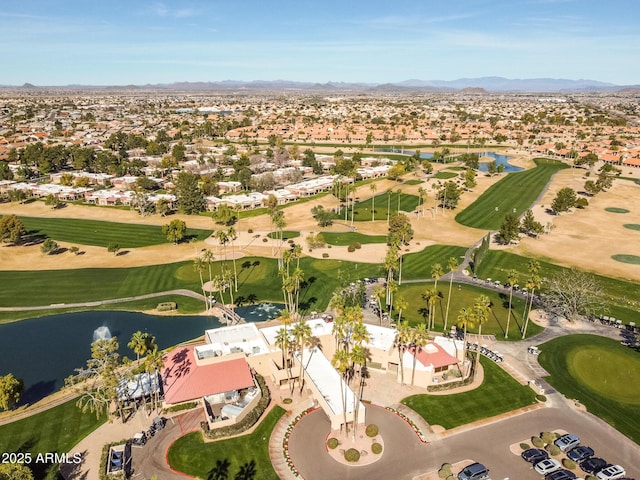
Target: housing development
319,282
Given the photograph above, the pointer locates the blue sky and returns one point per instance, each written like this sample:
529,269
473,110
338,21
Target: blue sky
120,42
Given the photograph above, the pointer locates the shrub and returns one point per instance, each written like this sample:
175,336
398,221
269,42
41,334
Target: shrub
287,401
548,437
182,406
372,430
351,248
552,449
167,306
445,471
250,230
591,477
568,463
325,255
333,443
352,455
525,446
357,245
537,442
541,398
265,239
376,448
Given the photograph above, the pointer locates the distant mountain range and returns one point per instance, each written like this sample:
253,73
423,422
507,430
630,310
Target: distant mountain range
466,85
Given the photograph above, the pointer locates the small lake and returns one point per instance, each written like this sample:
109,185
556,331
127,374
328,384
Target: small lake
483,167
44,351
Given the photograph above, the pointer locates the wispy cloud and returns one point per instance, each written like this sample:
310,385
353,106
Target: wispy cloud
160,9
399,21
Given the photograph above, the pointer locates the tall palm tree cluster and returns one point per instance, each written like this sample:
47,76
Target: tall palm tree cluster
351,356
292,339
412,340
474,316
292,277
226,278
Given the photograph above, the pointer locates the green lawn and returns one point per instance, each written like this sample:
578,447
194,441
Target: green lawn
616,210
619,294
599,372
100,234
256,276
465,296
632,226
55,430
445,175
190,455
626,258
362,210
414,181
186,306
499,393
347,238
286,234
418,265
516,191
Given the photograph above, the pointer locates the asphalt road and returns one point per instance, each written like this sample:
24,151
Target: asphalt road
405,456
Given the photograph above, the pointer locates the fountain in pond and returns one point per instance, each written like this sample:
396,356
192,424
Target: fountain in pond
101,333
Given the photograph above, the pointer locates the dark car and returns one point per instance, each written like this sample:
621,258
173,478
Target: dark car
580,453
534,455
560,475
593,465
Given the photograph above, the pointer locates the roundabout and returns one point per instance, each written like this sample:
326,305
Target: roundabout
402,449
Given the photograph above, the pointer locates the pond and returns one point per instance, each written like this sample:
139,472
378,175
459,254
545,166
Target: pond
483,167
44,351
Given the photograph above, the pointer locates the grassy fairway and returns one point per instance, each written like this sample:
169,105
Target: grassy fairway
362,210
55,430
465,297
190,455
517,191
286,234
256,277
445,175
100,234
347,238
618,293
499,393
418,265
600,373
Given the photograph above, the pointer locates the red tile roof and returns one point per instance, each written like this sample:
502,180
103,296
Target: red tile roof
183,380
434,354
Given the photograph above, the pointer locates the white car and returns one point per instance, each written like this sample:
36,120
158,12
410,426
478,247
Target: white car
547,465
611,473
567,441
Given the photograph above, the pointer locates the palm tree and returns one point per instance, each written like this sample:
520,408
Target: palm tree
223,237
154,363
208,258
400,304
390,264
481,311
279,223
419,339
466,319
341,362
532,283
452,264
436,273
512,279
302,336
373,187
283,339
139,343
232,235
401,342
198,266
431,296
378,292
359,355
399,195
422,193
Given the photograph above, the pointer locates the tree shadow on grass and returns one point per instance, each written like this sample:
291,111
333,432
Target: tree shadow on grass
220,471
247,471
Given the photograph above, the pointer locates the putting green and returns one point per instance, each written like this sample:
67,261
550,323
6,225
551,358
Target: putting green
616,210
632,226
624,258
609,373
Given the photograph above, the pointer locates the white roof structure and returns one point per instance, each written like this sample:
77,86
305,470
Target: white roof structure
141,385
381,338
318,326
326,380
233,339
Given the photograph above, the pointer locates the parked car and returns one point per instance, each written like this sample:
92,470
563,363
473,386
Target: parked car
593,465
613,472
475,471
561,474
159,423
579,453
534,455
547,465
567,442
139,439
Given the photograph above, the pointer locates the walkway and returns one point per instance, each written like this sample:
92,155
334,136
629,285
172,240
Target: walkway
183,292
